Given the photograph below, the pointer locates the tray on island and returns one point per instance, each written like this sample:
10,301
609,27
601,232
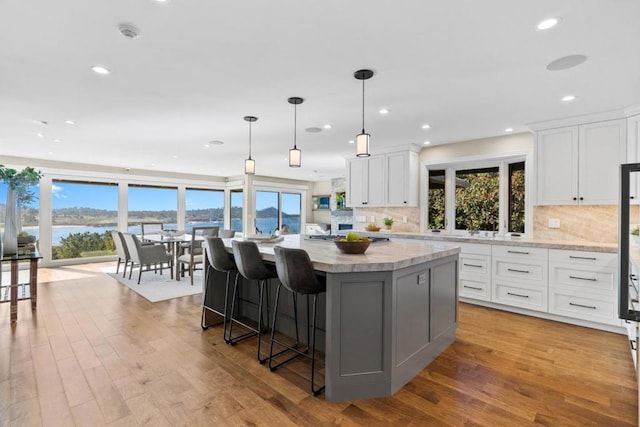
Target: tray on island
265,238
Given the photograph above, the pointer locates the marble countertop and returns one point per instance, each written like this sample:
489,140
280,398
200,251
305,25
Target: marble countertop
380,256
577,245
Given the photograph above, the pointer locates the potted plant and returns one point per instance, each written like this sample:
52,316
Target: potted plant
19,194
388,222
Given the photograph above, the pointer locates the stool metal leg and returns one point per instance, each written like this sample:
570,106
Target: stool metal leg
273,334
313,350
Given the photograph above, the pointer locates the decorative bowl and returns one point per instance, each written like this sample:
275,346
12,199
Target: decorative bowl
355,247
372,227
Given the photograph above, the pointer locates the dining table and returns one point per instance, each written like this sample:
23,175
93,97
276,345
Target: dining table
173,240
15,291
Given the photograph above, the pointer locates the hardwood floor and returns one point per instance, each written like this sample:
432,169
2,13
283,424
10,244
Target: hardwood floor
95,353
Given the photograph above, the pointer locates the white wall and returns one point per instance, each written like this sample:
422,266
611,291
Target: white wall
499,145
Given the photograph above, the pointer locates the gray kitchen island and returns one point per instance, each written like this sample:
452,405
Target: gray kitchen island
388,313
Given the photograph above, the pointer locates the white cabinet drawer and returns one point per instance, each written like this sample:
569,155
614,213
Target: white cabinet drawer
475,264
520,252
588,280
595,309
474,248
476,289
589,259
532,299
514,271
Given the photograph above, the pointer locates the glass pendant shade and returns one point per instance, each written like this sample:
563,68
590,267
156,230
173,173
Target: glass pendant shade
295,158
249,166
362,145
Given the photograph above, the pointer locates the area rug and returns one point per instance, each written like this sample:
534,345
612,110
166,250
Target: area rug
155,287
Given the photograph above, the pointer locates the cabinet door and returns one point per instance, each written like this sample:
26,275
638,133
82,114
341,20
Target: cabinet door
557,166
402,179
602,149
375,181
356,169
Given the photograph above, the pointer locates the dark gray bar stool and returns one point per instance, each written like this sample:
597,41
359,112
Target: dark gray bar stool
220,260
251,267
296,273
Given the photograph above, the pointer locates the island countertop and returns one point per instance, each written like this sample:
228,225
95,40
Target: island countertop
380,256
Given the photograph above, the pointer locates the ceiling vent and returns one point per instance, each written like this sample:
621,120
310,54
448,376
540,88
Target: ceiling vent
129,31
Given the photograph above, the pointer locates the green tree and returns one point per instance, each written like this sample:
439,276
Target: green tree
76,244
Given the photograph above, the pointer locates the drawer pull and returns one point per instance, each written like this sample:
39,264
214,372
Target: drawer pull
472,265
632,343
590,258
518,271
518,252
517,295
591,279
583,306
472,287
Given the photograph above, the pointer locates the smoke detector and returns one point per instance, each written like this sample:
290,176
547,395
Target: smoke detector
129,31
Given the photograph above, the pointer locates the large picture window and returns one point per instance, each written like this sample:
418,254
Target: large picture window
82,214
437,200
477,199
204,208
278,211
236,204
152,204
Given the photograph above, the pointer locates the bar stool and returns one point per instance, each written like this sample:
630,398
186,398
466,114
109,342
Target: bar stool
296,273
219,260
251,267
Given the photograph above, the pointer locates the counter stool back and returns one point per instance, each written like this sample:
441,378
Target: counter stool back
296,273
251,267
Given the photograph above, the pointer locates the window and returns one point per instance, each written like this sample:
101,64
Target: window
204,208
477,199
82,214
436,202
516,198
278,211
152,204
487,196
236,204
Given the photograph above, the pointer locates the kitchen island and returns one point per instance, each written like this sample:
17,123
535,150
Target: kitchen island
388,313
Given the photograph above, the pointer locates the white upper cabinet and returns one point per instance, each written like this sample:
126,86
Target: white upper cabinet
402,179
580,164
365,181
383,180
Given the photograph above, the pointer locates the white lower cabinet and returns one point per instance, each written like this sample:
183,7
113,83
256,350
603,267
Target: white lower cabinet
475,271
519,276
583,285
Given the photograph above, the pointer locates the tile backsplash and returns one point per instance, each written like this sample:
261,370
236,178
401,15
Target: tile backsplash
411,226
595,223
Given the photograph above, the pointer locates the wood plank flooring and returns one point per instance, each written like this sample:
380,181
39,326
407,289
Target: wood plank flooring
95,353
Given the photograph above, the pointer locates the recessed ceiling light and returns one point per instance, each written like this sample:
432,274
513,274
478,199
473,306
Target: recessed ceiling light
426,126
568,98
508,130
426,143
70,122
351,141
100,69
327,126
548,23
50,153
41,135
174,156
56,140
207,145
384,111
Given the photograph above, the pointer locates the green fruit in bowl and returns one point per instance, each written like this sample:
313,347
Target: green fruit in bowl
351,237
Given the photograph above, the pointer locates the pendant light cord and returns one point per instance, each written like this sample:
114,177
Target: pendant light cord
295,122
362,105
249,139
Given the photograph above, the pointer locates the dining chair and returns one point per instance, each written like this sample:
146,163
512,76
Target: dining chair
151,228
192,255
146,256
226,233
123,253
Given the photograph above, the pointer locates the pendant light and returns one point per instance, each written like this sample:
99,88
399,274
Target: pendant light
295,155
362,139
250,164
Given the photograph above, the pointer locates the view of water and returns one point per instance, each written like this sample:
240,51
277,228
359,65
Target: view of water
265,225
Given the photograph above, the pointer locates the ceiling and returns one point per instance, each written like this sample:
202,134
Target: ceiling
469,69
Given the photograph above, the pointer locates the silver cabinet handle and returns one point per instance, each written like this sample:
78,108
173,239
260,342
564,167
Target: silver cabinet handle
472,287
591,279
583,306
518,271
472,265
517,295
518,252
583,257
